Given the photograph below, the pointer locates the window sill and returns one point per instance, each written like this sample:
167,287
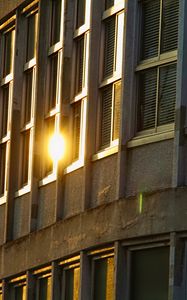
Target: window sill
105,153
113,10
48,179
81,30
3,199
24,190
74,166
150,138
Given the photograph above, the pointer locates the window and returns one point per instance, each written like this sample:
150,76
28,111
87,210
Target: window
6,82
43,283
150,274
157,69
110,82
28,98
103,277
80,13
70,280
17,288
53,90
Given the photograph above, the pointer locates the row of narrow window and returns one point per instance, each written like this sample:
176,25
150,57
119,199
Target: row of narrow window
155,74
149,278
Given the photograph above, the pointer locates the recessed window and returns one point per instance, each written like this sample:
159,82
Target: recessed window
80,12
4,111
49,131
109,3
157,78
25,157
76,130
8,52
31,36
103,278
70,283
53,81
2,167
55,21
150,274
43,288
109,46
28,96
80,65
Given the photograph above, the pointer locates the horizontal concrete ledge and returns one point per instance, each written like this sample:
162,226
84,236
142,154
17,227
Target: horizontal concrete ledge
160,212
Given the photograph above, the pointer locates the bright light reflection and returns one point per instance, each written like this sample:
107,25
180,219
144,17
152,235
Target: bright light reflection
56,147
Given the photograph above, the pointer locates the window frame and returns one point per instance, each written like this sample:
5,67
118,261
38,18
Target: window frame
19,282
6,81
54,112
116,11
27,127
161,60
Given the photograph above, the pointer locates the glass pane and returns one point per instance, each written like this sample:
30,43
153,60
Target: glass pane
76,129
8,52
109,3
20,293
49,131
116,113
79,65
150,27
80,12
106,116
56,21
170,18
4,115
45,288
104,279
109,46
72,284
53,82
25,157
167,94
28,96
31,36
1,297
147,101
2,167
150,274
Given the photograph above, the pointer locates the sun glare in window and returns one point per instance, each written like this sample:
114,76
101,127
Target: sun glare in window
56,147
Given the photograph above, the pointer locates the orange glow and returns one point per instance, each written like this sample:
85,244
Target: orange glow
56,147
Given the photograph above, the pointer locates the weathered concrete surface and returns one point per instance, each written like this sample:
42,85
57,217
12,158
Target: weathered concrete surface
162,212
8,5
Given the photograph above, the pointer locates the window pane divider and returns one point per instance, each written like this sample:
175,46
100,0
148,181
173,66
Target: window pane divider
55,48
110,80
6,79
81,30
156,63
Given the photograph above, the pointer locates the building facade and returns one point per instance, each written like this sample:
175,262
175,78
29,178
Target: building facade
109,220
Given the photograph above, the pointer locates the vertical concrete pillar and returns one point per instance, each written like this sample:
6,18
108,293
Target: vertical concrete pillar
85,277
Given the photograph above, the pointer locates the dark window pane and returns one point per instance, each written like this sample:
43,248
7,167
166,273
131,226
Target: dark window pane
72,284
106,116
44,288
103,279
2,167
76,129
147,105
8,54
151,22
109,3
53,82
79,65
31,36
150,274
109,47
55,21
28,96
170,17
167,94
116,113
80,12
49,131
4,116
25,157
20,293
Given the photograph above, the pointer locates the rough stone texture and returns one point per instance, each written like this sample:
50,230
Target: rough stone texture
73,200
21,216
46,205
2,223
103,180
149,167
162,212
8,5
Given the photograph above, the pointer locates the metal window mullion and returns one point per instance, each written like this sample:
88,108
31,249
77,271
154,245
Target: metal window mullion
160,28
157,98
